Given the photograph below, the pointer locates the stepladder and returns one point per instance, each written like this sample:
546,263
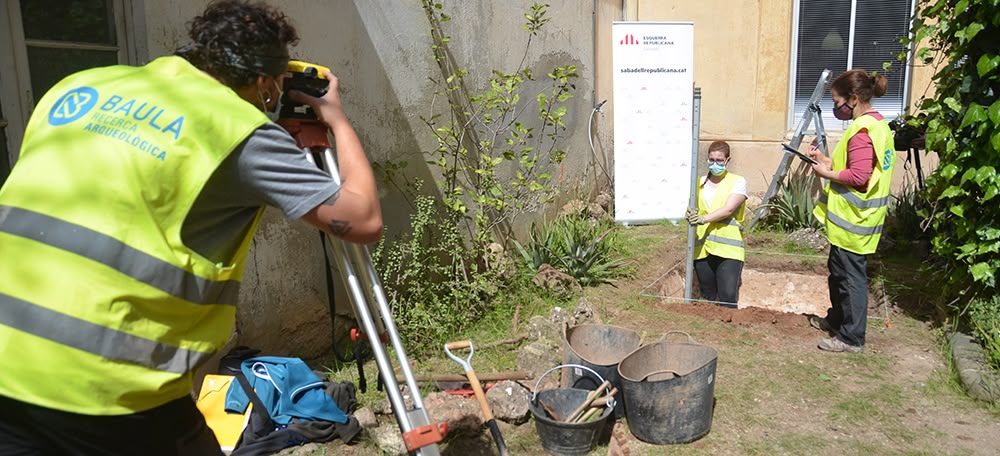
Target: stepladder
812,115
363,287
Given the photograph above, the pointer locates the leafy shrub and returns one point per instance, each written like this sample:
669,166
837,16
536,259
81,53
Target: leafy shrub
436,284
493,156
984,316
791,209
904,220
962,124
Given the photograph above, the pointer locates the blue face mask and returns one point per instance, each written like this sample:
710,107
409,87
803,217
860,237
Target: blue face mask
717,169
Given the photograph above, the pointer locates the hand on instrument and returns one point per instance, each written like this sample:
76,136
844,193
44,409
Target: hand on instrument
328,108
694,218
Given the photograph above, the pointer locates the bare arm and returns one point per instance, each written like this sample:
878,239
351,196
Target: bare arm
354,213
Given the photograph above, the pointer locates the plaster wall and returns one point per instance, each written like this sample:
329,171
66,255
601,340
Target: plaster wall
380,51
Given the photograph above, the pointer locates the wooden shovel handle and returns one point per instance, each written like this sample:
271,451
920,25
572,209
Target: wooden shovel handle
458,344
480,395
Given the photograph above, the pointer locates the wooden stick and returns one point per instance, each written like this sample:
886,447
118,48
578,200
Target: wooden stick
603,400
590,414
551,411
596,406
590,398
503,342
486,377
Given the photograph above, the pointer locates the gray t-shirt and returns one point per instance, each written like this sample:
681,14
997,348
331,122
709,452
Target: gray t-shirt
268,169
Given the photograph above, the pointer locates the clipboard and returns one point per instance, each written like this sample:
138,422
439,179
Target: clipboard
804,157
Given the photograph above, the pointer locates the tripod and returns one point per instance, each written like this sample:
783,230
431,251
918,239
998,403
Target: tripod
366,294
812,110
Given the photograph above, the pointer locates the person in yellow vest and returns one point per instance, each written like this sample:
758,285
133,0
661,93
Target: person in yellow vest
125,226
853,205
718,250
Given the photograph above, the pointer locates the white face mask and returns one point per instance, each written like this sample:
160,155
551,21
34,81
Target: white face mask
274,113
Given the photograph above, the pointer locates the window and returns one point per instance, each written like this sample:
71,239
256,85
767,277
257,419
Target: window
50,39
843,34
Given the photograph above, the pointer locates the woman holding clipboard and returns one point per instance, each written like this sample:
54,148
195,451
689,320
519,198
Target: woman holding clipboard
853,205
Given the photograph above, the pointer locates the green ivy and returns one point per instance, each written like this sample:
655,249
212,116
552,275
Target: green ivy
961,124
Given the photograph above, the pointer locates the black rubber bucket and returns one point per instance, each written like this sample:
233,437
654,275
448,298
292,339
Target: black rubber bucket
601,348
669,390
561,438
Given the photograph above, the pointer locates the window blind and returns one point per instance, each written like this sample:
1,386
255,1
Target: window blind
844,34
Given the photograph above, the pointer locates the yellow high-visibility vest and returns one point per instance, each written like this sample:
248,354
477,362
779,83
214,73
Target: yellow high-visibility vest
723,238
854,219
103,309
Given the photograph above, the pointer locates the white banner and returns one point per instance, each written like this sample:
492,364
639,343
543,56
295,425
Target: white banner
653,96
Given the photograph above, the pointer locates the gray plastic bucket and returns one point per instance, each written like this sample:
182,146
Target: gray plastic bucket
561,438
669,390
601,348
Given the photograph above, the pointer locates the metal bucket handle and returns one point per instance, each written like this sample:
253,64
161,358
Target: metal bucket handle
534,395
675,331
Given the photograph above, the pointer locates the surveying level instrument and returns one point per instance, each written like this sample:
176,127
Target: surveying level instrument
362,283
812,111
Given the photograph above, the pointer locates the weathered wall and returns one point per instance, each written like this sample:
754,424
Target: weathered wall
380,51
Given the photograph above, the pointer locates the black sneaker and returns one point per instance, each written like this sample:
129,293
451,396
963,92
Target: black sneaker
820,323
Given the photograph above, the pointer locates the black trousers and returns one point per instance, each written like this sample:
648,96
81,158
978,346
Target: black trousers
848,312
719,279
173,429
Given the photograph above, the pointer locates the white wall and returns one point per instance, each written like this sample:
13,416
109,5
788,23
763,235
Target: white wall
380,51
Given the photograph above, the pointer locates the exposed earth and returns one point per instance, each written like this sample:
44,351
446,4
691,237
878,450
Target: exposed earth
775,392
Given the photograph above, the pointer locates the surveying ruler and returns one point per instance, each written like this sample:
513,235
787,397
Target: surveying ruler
812,110
367,297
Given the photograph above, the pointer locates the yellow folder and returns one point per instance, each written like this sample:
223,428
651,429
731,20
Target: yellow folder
212,403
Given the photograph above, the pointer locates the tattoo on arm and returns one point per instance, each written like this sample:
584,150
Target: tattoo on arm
339,227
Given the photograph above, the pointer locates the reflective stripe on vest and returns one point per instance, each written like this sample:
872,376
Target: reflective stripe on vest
853,219
723,238
856,200
116,254
720,240
95,278
96,339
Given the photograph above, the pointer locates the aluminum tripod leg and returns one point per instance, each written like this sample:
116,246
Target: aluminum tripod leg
812,111
368,299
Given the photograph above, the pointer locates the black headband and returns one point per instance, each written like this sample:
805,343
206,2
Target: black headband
271,63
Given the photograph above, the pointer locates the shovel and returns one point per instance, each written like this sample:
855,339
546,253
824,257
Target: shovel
474,381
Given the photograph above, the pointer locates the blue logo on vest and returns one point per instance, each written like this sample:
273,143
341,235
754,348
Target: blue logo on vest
72,105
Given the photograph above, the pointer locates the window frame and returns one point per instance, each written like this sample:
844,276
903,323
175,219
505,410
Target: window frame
793,119
16,98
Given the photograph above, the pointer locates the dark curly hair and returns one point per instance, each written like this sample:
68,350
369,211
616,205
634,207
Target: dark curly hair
235,41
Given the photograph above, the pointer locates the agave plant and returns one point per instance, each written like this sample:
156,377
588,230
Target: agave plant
540,249
792,208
